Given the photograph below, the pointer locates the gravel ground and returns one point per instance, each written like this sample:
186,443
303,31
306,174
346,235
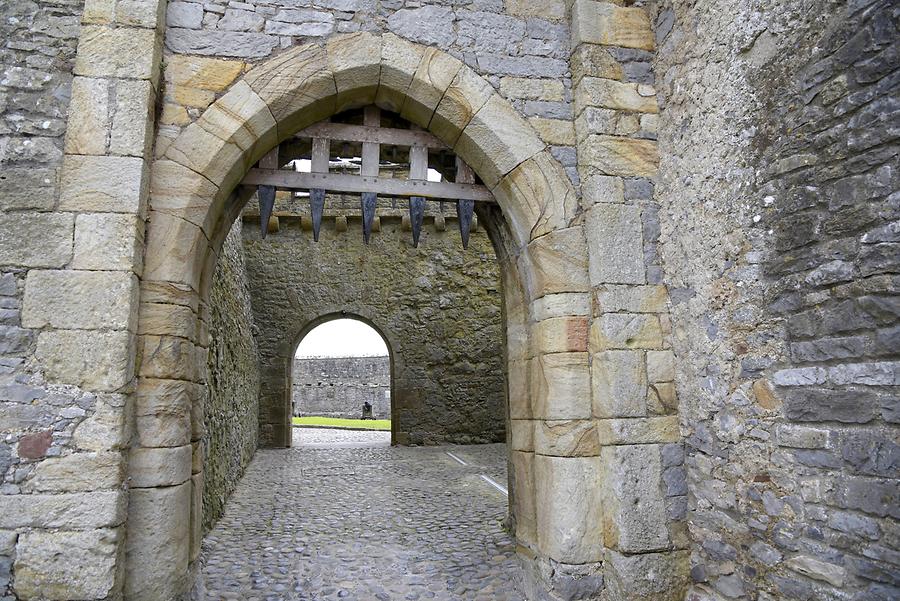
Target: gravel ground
334,437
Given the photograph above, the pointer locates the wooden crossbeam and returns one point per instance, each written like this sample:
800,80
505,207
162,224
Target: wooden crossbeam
372,133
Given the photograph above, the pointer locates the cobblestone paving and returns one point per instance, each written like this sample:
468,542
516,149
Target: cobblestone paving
363,523
331,437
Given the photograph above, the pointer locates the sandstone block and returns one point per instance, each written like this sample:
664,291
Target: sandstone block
560,335
399,61
559,261
612,155
167,357
634,512
554,10
240,117
522,499
619,381
67,565
158,542
163,412
433,76
196,516
561,305
611,25
188,96
537,199
464,97
78,472
81,300
521,434
118,52
167,320
638,430
132,124
178,249
626,331
592,60
560,386
150,467
615,244
97,361
593,120
612,94
519,395
204,73
660,366
98,12
567,438
109,241
140,13
87,131
36,239
647,576
178,191
631,299
526,88
568,508
67,511
86,184
557,132
355,60
602,188
107,428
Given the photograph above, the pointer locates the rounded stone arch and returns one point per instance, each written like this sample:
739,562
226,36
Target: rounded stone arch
359,314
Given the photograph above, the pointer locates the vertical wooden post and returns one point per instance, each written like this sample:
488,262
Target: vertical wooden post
266,194
321,153
418,170
371,152
464,208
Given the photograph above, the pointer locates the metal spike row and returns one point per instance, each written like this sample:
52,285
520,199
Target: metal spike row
368,213
266,195
416,217
316,207
464,211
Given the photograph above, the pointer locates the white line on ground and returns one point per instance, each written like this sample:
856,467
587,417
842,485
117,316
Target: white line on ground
493,483
460,461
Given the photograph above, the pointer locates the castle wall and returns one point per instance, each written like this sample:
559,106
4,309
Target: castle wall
339,386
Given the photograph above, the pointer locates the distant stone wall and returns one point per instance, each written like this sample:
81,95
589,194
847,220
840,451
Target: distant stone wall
232,405
339,386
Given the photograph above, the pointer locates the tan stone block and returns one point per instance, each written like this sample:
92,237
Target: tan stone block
168,320
67,511
592,60
568,438
96,361
619,382
561,335
561,305
107,429
180,192
615,244
660,366
558,132
68,565
497,140
118,52
86,184
640,430
560,386
614,122
559,261
176,250
80,300
662,398
158,542
355,60
171,293
165,466
109,241
204,73
167,357
399,61
611,155
433,76
297,86
87,130
626,331
196,515
602,188
568,508
522,496
613,298
198,410
78,472
163,410
611,94
521,434
98,12
611,25
187,96
527,88
36,239
649,123
554,10
141,13
174,114
648,576
132,125
466,95
519,396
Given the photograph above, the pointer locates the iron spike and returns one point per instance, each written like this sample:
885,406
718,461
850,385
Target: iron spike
416,217
266,195
316,207
464,211
368,213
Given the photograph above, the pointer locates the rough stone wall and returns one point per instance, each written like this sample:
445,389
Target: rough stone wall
232,402
338,386
778,182
438,306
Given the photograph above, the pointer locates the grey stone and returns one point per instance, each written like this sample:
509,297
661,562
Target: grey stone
241,20
417,25
531,66
488,32
8,284
765,554
220,43
676,481
672,454
184,14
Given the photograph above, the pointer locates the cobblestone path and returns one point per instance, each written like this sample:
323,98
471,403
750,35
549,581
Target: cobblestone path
364,523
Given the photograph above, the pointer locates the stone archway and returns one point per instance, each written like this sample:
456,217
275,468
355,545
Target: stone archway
557,471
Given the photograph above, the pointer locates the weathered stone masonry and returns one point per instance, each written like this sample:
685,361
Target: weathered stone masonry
339,386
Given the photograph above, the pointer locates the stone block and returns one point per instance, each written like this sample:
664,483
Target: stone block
168,357
36,239
355,60
97,361
465,96
615,244
553,10
526,88
118,52
184,14
68,565
802,437
560,335
140,13
107,428
559,262
214,74
87,131
560,386
67,511
568,508
616,95
132,123
213,42
619,381
614,298
626,331
399,61
186,247
568,438
98,12
818,570
86,185
592,60
167,320
634,512
163,412
196,516
560,305
521,434
80,300
112,241
497,140
660,366
611,25
181,192
649,430
614,155
417,24
647,576
28,188
78,472
158,542
151,467
522,500
518,386
433,76
557,132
